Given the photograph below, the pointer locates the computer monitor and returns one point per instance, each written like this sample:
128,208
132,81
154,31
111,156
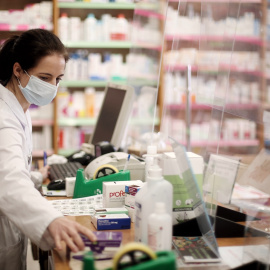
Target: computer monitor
114,114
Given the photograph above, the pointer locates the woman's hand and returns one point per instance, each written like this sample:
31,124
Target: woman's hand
64,229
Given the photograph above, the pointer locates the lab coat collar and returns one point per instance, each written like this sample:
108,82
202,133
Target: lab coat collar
9,98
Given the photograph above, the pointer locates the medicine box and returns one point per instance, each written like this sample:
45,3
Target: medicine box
131,190
114,192
111,222
109,211
183,200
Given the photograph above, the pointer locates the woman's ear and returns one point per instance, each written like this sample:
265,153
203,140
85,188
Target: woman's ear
17,70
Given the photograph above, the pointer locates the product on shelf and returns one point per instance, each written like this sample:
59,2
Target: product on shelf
36,15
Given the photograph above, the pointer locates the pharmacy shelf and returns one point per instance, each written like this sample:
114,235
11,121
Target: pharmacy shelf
175,107
149,14
245,39
87,83
70,121
85,5
234,143
39,153
219,68
98,44
42,122
93,83
66,152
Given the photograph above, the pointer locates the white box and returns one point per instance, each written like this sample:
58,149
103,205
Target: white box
184,200
131,213
130,200
114,193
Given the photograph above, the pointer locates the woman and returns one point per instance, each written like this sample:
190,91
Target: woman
31,67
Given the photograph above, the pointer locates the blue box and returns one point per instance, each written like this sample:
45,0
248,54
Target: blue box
111,222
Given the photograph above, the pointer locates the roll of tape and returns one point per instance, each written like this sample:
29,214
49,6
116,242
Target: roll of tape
130,250
104,170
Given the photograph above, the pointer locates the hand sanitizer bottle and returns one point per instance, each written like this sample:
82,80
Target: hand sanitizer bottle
149,159
160,228
156,189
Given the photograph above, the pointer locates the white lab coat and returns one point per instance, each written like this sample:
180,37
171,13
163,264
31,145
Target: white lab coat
23,211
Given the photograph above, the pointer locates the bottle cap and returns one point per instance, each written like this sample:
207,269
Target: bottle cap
160,208
155,172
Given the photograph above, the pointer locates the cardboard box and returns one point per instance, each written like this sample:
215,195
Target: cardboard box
184,200
109,211
114,193
111,222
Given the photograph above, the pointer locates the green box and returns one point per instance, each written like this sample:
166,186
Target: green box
186,197
84,187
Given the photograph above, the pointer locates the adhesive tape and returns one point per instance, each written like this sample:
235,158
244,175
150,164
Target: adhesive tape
130,250
104,170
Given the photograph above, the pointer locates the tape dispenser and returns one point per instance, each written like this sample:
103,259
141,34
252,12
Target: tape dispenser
105,173
136,256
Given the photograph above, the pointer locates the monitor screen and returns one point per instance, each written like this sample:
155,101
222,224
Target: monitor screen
113,115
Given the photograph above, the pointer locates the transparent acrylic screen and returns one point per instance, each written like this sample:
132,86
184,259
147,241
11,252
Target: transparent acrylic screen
217,102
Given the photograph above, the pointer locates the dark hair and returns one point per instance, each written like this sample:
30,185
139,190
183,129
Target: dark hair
27,49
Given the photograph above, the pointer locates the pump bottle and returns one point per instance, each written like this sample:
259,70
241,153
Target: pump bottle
156,189
160,228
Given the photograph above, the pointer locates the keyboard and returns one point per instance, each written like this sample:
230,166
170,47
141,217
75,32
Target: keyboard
61,171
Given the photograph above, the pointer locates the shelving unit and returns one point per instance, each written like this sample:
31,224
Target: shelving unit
81,9
218,105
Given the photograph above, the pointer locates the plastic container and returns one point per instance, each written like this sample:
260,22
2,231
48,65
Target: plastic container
120,28
156,189
90,101
63,24
90,28
160,228
75,28
149,159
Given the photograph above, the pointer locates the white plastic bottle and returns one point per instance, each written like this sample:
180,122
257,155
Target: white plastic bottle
90,28
156,189
120,28
63,25
160,228
149,159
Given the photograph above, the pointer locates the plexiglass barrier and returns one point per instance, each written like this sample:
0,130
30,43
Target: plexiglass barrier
143,67
214,80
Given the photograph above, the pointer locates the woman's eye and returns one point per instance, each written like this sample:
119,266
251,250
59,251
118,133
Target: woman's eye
44,78
58,80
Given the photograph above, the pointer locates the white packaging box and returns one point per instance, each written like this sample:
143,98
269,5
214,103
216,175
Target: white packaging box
130,200
114,192
131,213
184,201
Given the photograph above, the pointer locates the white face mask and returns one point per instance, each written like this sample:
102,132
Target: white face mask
37,91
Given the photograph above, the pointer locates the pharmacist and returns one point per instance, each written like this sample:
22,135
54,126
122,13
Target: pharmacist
31,66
